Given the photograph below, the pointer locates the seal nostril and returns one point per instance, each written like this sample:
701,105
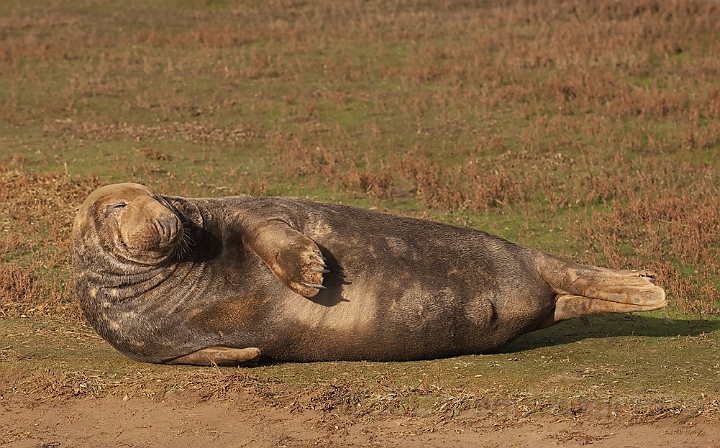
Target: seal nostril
159,227
168,226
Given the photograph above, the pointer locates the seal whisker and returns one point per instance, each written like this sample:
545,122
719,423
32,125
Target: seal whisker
185,244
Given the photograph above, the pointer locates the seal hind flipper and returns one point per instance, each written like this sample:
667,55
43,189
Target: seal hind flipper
219,356
291,256
569,306
582,289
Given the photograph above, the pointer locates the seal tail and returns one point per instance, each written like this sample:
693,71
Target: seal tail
582,290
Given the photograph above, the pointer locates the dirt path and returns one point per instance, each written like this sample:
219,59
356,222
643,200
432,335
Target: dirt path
135,422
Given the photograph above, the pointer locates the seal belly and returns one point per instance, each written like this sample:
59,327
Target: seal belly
416,290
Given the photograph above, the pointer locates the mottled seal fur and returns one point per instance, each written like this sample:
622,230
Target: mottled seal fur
168,279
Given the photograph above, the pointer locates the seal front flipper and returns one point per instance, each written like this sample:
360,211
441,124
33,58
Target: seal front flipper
220,356
291,256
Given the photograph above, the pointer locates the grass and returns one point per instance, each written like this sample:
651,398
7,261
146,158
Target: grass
587,130
596,369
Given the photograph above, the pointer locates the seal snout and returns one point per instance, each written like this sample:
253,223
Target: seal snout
169,228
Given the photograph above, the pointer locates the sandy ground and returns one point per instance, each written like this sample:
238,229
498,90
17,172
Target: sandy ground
183,421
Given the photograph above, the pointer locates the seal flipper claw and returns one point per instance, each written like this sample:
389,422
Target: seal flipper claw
319,259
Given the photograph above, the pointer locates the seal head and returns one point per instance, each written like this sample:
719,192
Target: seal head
130,222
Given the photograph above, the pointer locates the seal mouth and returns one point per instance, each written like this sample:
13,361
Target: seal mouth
158,241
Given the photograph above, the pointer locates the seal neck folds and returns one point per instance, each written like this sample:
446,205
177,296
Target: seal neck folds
128,241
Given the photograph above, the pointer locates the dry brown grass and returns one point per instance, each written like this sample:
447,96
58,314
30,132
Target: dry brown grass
587,129
37,213
599,118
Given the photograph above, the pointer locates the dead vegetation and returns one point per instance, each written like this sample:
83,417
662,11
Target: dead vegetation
601,117
588,129
37,214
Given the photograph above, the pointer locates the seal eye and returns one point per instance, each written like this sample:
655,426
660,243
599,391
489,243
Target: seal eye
113,207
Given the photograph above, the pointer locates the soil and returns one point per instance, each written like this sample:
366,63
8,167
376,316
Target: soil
246,420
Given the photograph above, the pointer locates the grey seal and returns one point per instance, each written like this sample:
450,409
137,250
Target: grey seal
205,281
